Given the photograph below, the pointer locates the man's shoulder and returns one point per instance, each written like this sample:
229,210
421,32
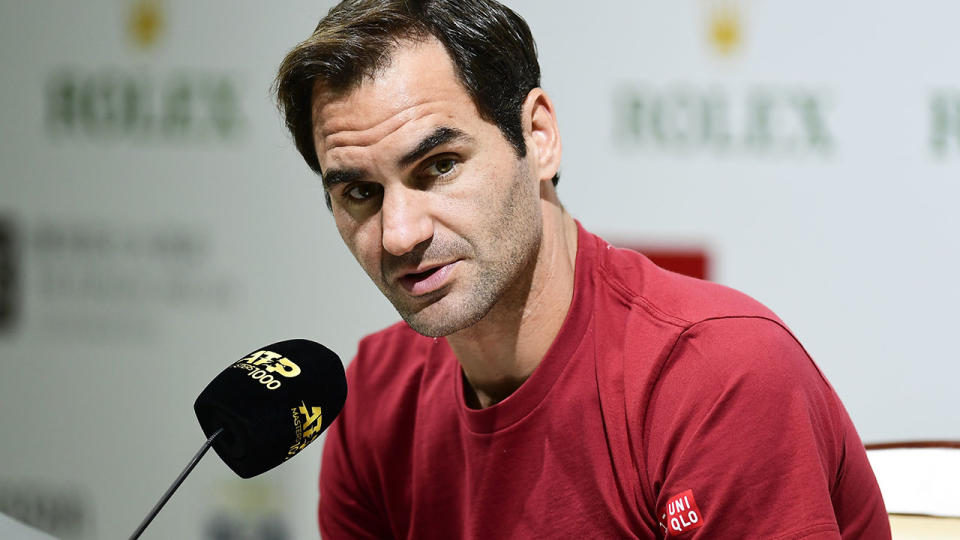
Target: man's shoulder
671,297
667,315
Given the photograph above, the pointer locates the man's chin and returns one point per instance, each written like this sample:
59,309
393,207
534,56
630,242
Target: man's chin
434,326
438,320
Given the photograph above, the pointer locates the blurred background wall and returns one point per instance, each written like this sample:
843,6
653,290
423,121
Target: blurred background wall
156,223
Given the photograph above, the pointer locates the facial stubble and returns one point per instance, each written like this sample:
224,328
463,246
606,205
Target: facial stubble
504,257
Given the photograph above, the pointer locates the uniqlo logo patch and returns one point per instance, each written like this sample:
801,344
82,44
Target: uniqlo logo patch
680,514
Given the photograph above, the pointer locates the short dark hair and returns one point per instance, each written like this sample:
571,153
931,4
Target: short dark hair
492,50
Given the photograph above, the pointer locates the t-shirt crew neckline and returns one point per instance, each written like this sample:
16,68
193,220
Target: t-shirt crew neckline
535,389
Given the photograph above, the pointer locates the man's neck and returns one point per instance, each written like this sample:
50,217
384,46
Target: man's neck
499,352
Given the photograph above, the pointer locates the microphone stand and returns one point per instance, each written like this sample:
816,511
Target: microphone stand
176,483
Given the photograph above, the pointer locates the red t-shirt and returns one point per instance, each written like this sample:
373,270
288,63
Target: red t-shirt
666,406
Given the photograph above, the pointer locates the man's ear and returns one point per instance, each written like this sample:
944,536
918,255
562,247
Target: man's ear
542,134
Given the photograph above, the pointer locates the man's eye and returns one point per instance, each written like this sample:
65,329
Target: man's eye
441,167
362,192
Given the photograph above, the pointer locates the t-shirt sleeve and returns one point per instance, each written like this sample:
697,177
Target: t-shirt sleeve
744,437
345,509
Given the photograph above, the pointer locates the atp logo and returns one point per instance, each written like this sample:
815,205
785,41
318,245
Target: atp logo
314,418
308,422
272,363
275,363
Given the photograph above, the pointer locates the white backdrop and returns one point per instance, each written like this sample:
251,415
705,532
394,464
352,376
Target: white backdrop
157,224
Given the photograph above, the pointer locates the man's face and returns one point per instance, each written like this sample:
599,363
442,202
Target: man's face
430,198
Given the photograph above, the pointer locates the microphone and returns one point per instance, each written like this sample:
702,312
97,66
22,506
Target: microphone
264,408
271,404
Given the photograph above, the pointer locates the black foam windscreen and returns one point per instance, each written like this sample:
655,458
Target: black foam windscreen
271,404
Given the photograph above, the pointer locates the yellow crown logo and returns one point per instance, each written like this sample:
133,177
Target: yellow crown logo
725,29
146,22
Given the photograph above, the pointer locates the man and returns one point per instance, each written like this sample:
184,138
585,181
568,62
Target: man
543,384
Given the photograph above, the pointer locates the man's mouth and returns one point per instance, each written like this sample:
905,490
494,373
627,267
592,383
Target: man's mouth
428,280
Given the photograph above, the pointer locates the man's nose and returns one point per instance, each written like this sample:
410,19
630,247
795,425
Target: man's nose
406,219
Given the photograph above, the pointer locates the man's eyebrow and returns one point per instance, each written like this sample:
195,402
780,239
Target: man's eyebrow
341,176
441,135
